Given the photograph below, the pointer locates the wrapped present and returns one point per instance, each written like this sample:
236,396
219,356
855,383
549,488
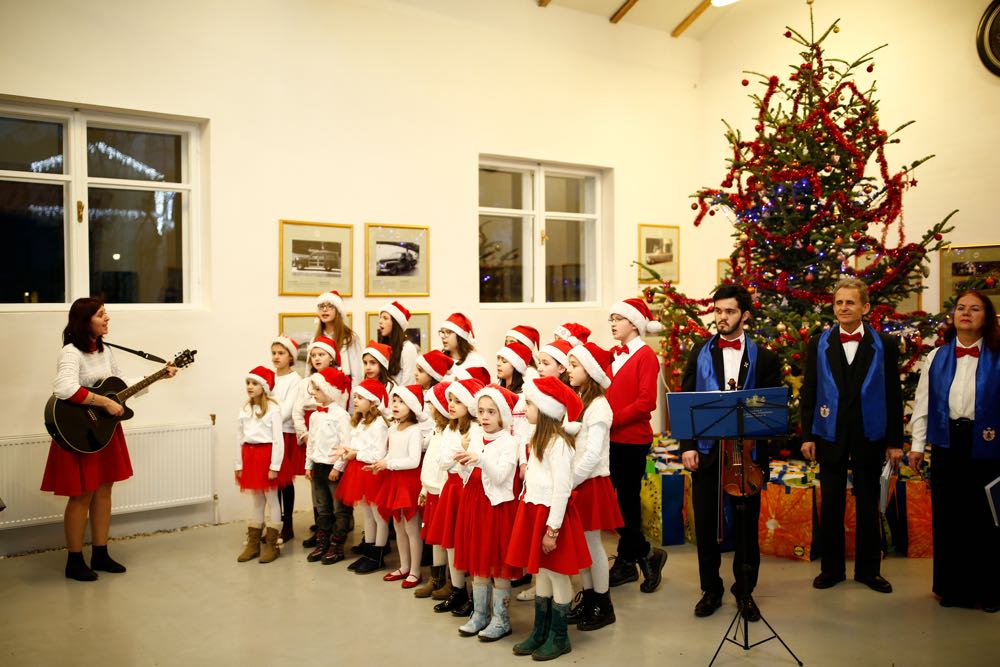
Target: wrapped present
918,519
787,521
651,505
662,502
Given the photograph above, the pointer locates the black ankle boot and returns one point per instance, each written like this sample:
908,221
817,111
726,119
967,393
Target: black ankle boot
459,596
375,560
100,560
599,613
76,567
365,550
578,609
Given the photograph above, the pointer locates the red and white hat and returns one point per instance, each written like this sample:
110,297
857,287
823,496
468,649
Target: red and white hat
558,350
556,401
412,396
479,373
526,335
637,312
327,345
505,401
461,325
380,352
575,333
436,364
518,355
439,397
397,312
330,381
374,391
264,377
287,343
465,391
334,299
596,361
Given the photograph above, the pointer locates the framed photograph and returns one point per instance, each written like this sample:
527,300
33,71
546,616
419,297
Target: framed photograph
301,327
959,264
397,260
659,249
907,305
723,270
315,257
419,331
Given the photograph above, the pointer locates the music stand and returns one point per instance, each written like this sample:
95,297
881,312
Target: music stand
719,415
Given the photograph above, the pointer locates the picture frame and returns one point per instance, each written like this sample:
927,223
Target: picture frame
397,260
315,257
909,304
659,249
960,263
418,331
301,327
723,269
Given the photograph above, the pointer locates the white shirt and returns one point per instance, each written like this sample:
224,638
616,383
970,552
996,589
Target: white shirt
432,477
407,364
498,461
451,444
851,348
370,441
286,392
620,360
550,481
252,429
731,360
961,395
405,448
303,403
327,431
592,453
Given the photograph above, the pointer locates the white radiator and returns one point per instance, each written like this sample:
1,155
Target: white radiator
172,466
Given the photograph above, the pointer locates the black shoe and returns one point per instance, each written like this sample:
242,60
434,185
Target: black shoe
652,569
365,548
465,610
523,581
76,568
310,542
623,572
750,610
578,608
459,596
100,560
600,612
876,583
824,580
375,560
991,607
707,605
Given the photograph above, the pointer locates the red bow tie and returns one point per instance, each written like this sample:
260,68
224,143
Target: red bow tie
966,352
320,409
734,344
851,338
619,349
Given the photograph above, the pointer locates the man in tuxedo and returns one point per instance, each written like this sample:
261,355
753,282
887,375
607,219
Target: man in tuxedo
730,359
852,417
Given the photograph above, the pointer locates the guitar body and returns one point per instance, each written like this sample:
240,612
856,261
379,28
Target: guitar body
85,429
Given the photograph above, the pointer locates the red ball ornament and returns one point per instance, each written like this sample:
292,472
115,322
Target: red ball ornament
751,243
855,235
788,33
711,211
938,237
796,356
810,248
803,332
810,277
745,82
991,281
694,207
870,68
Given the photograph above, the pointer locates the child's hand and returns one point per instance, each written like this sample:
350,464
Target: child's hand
379,466
272,474
465,441
466,458
238,474
351,454
340,452
548,544
421,499
309,475
304,439
334,475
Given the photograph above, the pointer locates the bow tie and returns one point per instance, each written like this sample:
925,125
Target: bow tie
618,350
734,344
851,338
321,409
966,352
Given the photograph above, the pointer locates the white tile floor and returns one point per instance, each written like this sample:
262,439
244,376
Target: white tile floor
186,601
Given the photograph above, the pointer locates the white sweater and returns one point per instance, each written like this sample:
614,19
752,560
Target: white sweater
405,447
327,431
550,481
498,462
252,429
432,476
370,441
76,369
451,445
591,457
286,392
407,364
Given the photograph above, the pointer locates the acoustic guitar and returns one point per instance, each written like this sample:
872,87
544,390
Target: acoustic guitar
85,429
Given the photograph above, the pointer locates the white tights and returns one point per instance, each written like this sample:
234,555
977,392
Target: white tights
376,527
409,543
457,576
260,498
554,585
597,576
440,555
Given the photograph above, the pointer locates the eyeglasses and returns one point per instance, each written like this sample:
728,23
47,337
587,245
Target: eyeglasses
326,306
444,332
614,319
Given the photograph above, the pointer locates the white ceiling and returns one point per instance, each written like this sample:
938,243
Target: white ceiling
663,15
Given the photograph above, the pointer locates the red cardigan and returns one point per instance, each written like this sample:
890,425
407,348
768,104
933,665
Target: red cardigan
632,396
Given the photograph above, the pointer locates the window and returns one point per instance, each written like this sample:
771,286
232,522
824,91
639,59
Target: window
538,233
95,204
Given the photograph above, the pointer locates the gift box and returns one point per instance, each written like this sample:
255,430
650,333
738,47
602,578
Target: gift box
919,542
662,503
787,521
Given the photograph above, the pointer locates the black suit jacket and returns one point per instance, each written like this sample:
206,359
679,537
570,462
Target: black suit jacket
849,378
767,375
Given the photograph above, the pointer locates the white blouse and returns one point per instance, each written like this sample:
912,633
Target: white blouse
407,364
592,452
498,463
451,444
432,476
405,447
327,431
550,481
370,441
286,392
252,429
961,395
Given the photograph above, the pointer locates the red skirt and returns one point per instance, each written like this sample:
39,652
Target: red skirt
525,550
256,466
597,504
294,462
430,505
482,532
72,474
441,530
398,497
357,484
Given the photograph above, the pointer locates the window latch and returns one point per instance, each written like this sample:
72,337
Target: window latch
545,237
79,211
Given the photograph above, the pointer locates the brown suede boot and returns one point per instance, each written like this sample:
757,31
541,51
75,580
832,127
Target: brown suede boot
436,580
442,592
252,549
269,550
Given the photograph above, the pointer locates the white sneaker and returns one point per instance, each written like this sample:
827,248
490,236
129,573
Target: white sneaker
527,595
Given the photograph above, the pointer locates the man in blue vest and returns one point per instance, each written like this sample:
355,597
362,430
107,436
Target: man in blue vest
852,417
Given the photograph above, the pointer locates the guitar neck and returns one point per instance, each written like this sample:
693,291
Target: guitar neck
142,384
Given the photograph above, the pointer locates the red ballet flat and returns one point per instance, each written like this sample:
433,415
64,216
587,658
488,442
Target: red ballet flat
394,576
407,583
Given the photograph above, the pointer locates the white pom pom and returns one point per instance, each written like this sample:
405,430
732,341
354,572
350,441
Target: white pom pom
571,428
654,327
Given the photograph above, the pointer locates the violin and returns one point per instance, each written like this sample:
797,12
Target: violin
741,476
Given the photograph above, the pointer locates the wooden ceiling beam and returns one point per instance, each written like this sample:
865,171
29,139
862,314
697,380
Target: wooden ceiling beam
691,18
623,10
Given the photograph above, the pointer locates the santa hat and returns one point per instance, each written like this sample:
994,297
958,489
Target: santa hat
334,299
435,363
637,312
596,361
505,401
378,351
374,391
558,350
288,344
327,345
331,381
526,335
264,377
577,334
465,391
461,325
397,312
518,355
412,395
439,397
478,373
556,401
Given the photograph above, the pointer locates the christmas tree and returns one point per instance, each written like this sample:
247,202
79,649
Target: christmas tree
812,199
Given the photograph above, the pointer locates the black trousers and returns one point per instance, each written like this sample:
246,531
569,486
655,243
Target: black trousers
332,516
705,497
628,465
865,460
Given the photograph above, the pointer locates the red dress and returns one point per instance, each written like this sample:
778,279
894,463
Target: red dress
441,530
398,497
597,504
294,462
525,550
74,474
358,484
256,459
482,532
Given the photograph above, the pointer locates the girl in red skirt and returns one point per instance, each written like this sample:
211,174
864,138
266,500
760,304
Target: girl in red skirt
87,478
594,496
358,486
548,536
258,462
432,480
286,391
399,494
486,513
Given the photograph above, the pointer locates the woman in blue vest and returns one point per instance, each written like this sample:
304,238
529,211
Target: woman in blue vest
957,411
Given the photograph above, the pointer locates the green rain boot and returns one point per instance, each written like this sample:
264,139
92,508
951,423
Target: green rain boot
557,642
540,630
